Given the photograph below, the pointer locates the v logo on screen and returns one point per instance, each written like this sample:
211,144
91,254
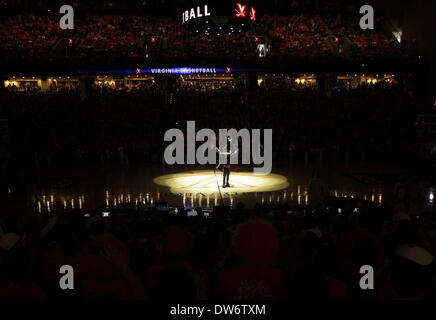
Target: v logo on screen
241,10
253,14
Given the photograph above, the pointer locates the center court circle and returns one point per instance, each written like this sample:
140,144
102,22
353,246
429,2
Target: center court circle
207,182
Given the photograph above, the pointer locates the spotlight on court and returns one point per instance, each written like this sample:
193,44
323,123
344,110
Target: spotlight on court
206,181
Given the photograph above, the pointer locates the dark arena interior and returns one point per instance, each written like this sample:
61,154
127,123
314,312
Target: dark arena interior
97,97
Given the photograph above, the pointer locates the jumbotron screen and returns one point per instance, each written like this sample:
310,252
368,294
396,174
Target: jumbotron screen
223,18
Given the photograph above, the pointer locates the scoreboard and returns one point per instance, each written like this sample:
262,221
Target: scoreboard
225,17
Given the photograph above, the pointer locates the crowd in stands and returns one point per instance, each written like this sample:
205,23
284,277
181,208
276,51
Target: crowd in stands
363,43
104,39
163,255
110,36
206,85
28,37
299,36
367,123
32,87
169,256
24,86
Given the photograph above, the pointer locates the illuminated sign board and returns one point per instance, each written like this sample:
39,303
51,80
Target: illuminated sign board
239,10
163,71
183,70
194,13
252,14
